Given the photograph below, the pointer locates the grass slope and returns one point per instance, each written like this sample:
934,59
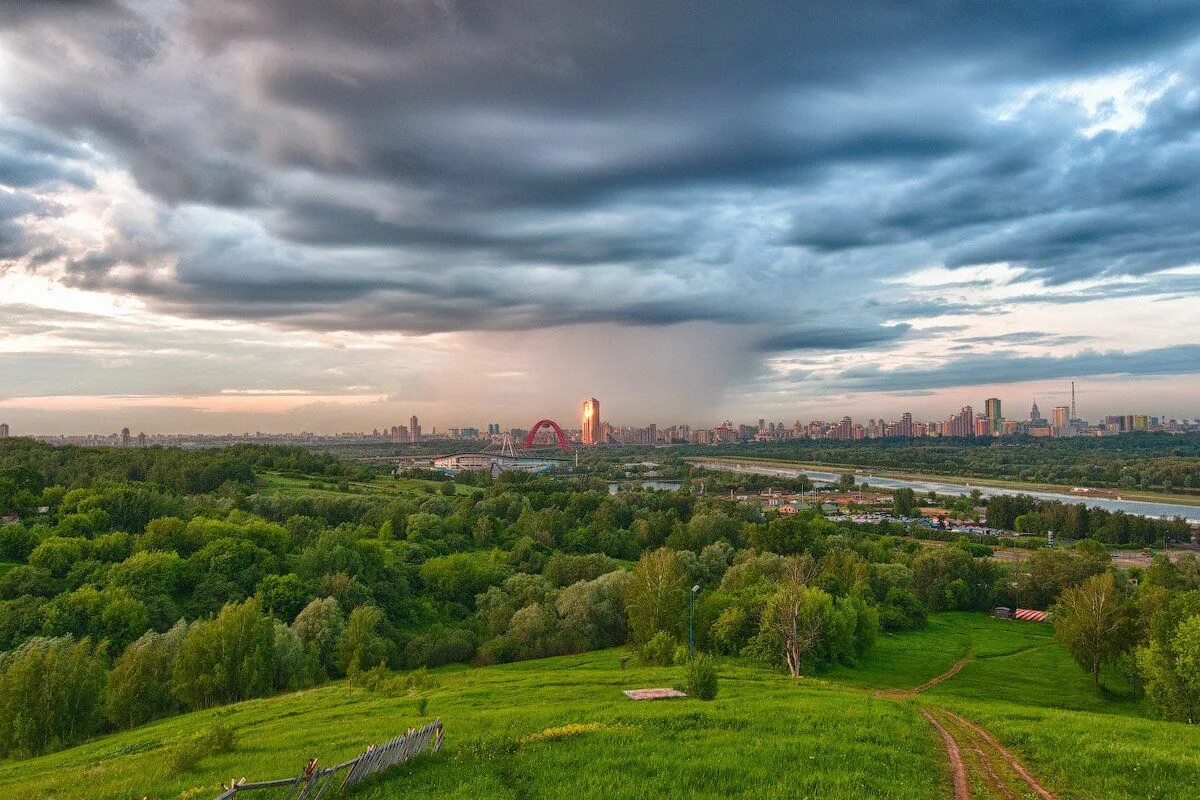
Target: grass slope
766,736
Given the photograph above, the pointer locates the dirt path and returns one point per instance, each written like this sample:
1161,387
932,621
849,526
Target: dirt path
982,738
991,771
950,673
901,694
977,760
958,770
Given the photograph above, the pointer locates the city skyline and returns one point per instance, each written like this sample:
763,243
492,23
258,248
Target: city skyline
467,212
592,429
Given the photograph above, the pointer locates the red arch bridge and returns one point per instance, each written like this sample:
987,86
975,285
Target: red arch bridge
563,444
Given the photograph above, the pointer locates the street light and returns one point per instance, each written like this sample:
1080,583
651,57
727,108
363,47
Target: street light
692,623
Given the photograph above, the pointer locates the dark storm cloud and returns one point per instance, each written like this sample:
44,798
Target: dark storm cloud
323,223
1003,367
432,166
832,339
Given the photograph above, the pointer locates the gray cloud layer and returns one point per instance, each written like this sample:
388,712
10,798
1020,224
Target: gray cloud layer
510,165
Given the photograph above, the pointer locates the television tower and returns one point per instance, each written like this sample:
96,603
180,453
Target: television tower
1074,415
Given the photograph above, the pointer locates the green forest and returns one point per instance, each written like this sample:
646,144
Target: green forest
142,583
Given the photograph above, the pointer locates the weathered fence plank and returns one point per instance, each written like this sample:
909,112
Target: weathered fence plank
316,782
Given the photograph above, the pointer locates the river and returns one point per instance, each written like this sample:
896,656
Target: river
1139,507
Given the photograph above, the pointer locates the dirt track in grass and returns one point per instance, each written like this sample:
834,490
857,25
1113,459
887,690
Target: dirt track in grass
980,766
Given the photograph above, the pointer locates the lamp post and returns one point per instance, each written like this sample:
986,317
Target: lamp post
692,623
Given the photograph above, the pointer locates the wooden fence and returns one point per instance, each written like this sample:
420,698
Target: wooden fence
316,782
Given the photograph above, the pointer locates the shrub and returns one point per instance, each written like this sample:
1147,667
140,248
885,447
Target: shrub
188,754
700,677
221,738
422,706
185,756
660,650
374,679
419,679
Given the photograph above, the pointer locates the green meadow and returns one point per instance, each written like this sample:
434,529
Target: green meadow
560,728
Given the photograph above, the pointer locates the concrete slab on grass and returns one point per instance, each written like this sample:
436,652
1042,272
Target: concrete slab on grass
653,694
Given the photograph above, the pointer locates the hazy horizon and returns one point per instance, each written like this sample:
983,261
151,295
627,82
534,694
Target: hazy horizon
245,215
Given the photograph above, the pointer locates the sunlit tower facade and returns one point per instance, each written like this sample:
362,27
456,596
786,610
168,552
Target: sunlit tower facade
591,422
414,429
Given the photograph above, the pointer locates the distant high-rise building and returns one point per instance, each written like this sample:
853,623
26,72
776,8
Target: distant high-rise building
141,439
125,437
1035,417
591,425
983,425
991,408
3,430
962,423
414,429
1060,417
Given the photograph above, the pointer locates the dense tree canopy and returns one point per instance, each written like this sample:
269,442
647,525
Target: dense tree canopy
163,580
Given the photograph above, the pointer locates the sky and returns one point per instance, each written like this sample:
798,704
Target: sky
282,215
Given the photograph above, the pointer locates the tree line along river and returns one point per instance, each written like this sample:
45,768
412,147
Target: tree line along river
1139,507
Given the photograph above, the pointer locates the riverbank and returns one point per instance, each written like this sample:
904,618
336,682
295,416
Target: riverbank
1015,486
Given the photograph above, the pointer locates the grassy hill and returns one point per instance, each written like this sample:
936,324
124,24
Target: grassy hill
765,736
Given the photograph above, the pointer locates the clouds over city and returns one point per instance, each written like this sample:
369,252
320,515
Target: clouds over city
799,201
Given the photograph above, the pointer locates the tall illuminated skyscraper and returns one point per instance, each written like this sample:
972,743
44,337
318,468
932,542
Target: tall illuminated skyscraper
591,422
414,429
